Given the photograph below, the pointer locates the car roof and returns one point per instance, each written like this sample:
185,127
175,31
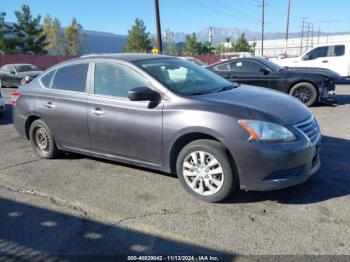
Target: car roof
258,59
124,56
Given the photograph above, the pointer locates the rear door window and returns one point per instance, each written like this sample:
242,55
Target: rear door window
71,78
338,50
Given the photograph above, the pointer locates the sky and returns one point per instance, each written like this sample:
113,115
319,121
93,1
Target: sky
117,16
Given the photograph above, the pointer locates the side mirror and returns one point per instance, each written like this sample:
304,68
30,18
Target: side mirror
12,72
264,71
305,57
143,94
27,79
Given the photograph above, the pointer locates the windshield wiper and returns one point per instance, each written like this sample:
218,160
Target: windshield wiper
226,88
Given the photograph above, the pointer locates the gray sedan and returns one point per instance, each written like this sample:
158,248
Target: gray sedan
171,115
17,74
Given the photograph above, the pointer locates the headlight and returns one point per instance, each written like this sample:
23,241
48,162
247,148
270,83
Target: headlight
266,131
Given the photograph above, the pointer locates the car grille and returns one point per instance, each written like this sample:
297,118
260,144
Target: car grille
309,128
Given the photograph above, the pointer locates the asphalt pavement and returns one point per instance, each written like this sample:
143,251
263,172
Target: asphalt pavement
81,205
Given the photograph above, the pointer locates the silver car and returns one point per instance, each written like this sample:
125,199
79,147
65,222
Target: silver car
172,115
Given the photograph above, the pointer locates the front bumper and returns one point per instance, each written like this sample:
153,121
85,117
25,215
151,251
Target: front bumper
327,94
263,166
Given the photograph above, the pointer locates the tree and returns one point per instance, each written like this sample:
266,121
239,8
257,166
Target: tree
138,39
29,37
73,38
191,44
6,43
192,47
54,38
242,45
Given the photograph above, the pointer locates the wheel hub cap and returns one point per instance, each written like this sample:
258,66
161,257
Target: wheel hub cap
203,173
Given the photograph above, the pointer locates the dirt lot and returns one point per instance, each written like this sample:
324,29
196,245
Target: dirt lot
80,205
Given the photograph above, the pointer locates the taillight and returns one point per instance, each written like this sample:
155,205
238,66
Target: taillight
15,96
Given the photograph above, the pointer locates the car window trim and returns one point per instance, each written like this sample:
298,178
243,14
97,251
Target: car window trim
92,81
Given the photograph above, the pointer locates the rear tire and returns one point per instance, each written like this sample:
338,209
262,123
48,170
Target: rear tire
305,92
42,141
205,170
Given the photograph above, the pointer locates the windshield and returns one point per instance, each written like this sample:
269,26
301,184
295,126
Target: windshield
184,77
271,65
26,68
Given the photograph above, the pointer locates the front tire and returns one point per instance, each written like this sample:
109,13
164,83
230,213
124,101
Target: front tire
205,170
42,141
304,92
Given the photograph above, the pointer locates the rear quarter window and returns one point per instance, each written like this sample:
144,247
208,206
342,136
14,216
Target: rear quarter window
46,79
223,67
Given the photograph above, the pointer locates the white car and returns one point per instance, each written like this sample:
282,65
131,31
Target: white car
335,57
2,103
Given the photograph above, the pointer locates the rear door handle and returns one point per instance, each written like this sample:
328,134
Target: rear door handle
97,111
325,61
49,105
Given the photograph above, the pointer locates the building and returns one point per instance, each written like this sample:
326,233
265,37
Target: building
296,46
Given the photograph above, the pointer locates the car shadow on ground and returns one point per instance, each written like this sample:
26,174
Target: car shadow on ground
6,118
331,181
31,233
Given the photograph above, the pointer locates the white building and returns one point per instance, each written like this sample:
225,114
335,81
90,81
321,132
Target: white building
272,48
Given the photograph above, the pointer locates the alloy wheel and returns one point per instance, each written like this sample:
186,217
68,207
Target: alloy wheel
303,93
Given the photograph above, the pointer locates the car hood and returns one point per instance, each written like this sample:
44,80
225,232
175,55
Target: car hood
250,102
314,70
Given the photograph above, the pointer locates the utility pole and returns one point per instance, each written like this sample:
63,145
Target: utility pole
308,35
287,29
302,34
262,26
159,33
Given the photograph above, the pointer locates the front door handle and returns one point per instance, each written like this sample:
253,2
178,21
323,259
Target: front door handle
325,61
49,105
97,111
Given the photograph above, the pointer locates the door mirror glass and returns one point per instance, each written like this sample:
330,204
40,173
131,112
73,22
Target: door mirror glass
27,79
143,94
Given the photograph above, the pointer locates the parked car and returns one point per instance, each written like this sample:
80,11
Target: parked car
17,74
2,103
307,85
217,136
194,60
335,57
